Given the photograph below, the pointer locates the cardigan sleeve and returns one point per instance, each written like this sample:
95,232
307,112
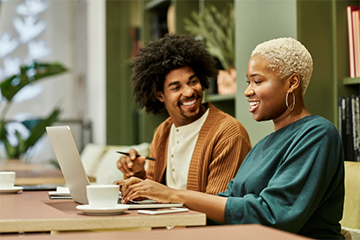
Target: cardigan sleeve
227,155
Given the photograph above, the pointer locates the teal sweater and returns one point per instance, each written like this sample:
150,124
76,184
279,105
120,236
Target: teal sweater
292,180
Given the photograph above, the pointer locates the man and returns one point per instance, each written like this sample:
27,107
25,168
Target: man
198,147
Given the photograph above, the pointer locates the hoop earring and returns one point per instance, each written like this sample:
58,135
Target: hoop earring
293,104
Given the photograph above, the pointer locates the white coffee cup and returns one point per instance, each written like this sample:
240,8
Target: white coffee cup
7,179
102,196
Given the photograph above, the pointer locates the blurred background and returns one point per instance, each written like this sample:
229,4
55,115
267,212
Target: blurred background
68,62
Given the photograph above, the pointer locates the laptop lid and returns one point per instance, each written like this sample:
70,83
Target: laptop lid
70,162
74,173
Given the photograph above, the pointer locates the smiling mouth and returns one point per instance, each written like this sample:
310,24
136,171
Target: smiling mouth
189,103
253,106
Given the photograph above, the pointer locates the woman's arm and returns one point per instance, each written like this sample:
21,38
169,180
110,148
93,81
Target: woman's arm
212,206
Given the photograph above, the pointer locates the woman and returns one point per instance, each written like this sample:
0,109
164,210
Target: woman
293,179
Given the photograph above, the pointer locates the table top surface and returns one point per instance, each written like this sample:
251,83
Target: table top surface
33,211
248,232
32,174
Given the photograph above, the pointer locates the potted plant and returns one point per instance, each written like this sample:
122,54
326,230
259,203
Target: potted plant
9,88
217,30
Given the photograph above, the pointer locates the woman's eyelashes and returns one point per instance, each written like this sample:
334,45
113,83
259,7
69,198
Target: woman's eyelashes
254,81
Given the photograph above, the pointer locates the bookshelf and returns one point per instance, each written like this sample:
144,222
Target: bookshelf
335,40
351,81
329,48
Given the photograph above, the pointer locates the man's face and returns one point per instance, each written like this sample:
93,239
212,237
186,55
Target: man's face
182,96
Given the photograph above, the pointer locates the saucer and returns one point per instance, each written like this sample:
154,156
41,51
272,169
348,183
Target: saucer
87,209
10,190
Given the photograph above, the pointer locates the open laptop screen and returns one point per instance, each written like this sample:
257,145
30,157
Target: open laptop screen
73,170
69,160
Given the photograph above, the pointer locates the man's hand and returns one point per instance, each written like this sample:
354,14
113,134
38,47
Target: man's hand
130,165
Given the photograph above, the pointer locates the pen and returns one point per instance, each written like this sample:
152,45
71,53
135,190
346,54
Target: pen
125,153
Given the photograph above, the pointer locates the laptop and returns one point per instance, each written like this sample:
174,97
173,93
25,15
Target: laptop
74,173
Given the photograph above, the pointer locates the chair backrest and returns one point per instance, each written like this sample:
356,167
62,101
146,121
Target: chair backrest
351,213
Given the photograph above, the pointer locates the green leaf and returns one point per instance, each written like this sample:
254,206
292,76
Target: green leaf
40,128
29,124
21,147
12,152
29,74
36,132
2,131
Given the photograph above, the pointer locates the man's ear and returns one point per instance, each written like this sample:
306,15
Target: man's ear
160,96
294,82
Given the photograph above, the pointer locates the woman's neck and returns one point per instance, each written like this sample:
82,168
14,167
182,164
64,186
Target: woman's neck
291,116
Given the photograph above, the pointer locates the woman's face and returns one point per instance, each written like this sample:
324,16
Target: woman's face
265,92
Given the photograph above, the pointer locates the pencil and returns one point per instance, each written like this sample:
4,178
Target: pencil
125,153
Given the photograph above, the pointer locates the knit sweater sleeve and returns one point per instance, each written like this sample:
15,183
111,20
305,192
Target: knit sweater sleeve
228,154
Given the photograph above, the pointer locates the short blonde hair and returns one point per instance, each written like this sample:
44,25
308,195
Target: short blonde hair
287,56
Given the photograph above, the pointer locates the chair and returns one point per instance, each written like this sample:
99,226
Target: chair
351,215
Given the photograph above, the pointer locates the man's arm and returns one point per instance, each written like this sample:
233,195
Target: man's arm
228,155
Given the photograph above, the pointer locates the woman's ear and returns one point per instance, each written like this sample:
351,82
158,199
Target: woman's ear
294,82
160,96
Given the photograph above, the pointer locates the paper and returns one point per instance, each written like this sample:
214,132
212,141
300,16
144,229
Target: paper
60,193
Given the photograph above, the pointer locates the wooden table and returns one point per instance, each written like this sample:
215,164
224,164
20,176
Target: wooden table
238,232
33,211
32,174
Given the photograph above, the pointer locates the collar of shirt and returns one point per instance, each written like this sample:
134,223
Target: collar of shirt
182,141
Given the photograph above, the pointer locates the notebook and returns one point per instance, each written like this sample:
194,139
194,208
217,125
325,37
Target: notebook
74,173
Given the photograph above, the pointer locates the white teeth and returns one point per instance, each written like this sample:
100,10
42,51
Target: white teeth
189,103
253,104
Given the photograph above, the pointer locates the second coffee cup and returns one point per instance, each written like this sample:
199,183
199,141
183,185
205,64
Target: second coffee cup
102,196
7,179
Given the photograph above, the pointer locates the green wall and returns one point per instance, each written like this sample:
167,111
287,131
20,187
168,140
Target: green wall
121,115
315,32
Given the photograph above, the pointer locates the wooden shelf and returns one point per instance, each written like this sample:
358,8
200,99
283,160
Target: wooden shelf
219,98
157,4
351,81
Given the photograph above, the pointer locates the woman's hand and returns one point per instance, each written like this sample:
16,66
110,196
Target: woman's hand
134,188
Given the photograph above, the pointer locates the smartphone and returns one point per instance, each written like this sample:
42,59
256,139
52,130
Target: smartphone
163,211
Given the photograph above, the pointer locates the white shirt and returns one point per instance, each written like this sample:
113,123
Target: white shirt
182,141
